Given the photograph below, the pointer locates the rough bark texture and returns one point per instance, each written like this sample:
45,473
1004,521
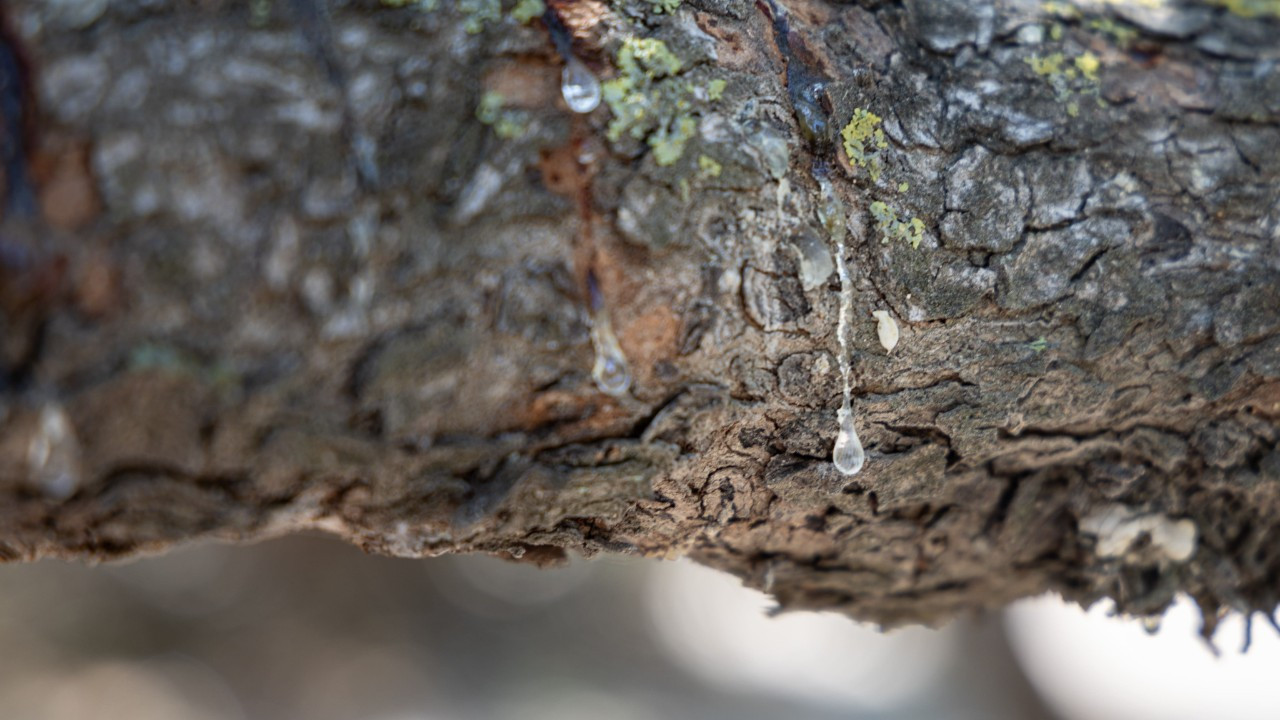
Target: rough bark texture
282,277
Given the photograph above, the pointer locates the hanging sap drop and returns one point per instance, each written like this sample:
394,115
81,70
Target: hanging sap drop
847,455
53,454
579,86
610,372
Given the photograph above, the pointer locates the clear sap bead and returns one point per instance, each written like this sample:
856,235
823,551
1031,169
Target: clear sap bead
830,211
53,454
579,86
815,260
847,455
611,373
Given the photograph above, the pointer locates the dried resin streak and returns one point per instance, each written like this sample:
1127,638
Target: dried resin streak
848,454
579,86
806,88
610,371
582,93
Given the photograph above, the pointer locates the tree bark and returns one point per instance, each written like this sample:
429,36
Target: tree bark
283,275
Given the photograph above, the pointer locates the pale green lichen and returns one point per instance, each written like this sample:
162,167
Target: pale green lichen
507,124
1069,78
863,141
649,102
892,228
1047,66
715,89
664,6
1119,33
1061,9
479,12
526,10
1250,8
1122,35
709,167
1038,345
669,139
1088,65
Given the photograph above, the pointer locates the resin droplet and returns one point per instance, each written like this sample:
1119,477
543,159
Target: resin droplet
847,455
579,86
53,454
610,372
814,260
887,329
830,211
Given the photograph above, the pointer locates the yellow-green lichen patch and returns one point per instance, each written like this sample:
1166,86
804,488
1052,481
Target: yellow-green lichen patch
1047,66
1061,9
1069,77
526,10
650,101
1250,8
479,13
507,124
863,141
1088,65
892,228
1122,35
664,6
709,167
715,89
669,139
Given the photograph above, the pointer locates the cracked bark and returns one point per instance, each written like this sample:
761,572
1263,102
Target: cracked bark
229,322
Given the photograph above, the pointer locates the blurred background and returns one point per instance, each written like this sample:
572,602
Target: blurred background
310,628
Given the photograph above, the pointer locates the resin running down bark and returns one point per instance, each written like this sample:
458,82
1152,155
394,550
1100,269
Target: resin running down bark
366,268
847,453
610,370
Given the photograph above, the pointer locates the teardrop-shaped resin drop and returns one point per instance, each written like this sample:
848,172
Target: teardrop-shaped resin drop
611,373
53,455
580,87
847,455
